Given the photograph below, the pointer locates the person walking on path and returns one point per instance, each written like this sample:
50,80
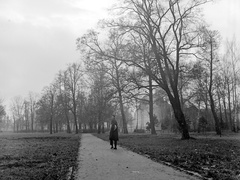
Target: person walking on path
113,136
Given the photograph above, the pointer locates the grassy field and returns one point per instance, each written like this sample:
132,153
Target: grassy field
210,156
26,156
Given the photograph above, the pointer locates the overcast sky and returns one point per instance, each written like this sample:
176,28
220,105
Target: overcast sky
37,37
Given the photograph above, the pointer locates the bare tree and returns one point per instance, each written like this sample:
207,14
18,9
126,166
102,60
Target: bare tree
72,86
209,54
64,98
110,53
227,89
17,110
32,98
234,59
47,107
102,91
171,28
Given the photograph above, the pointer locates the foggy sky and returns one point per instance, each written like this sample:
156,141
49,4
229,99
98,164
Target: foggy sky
37,37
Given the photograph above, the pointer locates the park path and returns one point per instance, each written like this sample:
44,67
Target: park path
98,162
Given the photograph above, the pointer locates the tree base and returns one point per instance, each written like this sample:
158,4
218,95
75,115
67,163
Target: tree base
188,138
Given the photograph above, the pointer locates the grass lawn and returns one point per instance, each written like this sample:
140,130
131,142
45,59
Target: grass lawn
210,156
37,156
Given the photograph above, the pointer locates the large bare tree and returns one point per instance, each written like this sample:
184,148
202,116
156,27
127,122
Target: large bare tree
171,28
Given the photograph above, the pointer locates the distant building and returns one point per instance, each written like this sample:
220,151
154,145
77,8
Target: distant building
161,109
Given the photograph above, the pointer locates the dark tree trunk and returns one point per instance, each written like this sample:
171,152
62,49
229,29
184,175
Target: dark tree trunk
152,123
95,125
67,119
57,127
182,122
79,125
178,113
125,130
212,105
217,124
99,128
225,113
103,130
14,124
90,126
229,106
76,123
220,111
32,119
99,122
51,125
75,115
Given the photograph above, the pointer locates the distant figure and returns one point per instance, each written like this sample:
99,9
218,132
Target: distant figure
113,133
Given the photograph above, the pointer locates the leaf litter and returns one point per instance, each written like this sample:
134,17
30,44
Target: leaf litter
37,155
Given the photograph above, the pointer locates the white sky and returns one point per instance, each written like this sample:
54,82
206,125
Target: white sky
37,37
224,16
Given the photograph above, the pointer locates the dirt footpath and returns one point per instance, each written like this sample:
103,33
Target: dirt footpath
98,162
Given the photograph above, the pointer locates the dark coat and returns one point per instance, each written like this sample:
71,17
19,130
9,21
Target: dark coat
114,131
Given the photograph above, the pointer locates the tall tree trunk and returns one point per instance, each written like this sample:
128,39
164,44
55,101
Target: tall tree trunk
75,115
220,110
225,113
75,119
99,128
125,130
76,123
32,120
79,125
234,103
57,126
217,124
212,105
229,106
68,121
178,113
152,123
14,124
103,129
51,125
99,122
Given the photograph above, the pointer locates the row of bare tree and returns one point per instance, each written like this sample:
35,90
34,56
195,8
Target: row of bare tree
167,45
76,99
51,109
